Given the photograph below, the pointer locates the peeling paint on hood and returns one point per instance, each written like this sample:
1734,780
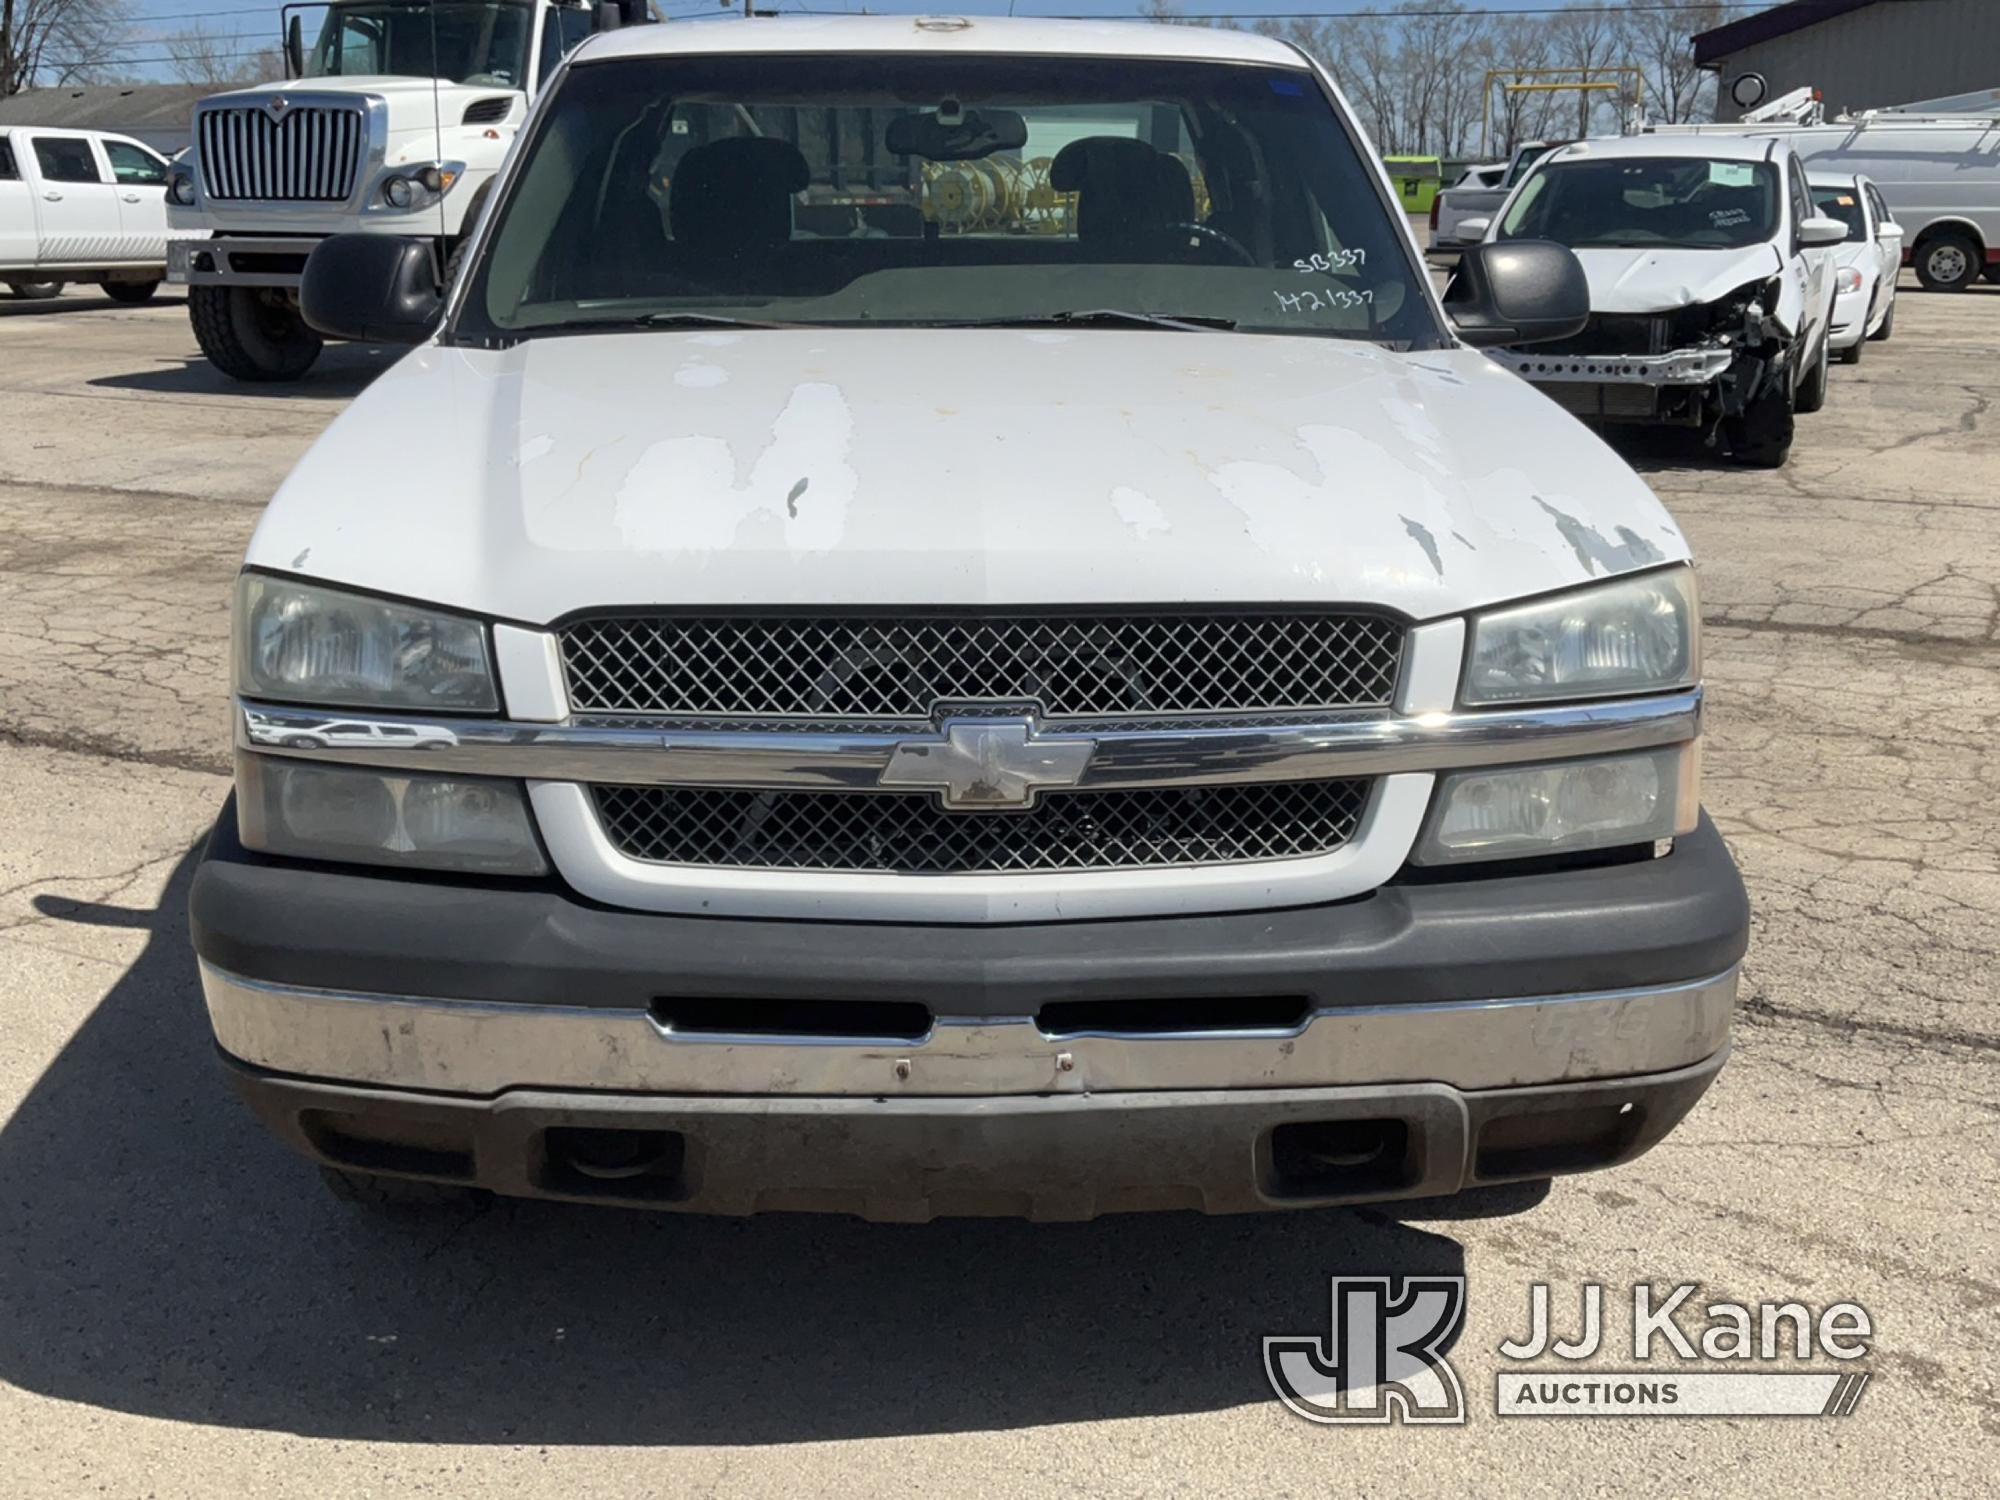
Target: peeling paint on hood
945,466
1643,281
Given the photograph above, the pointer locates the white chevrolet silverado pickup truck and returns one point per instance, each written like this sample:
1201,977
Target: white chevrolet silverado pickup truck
1113,704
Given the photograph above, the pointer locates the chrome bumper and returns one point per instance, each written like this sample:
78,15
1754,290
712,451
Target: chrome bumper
214,262
483,1048
1682,367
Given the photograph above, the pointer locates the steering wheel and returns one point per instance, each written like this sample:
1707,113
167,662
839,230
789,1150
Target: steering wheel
1214,236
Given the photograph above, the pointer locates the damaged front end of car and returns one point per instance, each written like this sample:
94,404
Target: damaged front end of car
1698,366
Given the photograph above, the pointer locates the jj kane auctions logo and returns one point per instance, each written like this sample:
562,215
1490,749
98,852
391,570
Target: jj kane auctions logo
1384,1356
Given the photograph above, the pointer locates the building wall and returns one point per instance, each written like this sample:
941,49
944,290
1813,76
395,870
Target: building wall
1881,54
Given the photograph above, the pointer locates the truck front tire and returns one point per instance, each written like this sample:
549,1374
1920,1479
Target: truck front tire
252,333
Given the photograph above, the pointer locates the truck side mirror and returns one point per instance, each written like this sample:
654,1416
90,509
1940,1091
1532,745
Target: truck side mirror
611,15
1516,292
295,49
375,288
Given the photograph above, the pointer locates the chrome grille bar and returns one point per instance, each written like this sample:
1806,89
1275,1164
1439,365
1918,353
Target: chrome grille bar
311,153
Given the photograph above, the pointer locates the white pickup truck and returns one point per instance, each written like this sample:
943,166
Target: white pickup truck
81,205
1114,705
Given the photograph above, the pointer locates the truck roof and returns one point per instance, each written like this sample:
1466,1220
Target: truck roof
948,34
1708,147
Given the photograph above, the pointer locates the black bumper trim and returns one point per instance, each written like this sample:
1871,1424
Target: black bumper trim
1658,921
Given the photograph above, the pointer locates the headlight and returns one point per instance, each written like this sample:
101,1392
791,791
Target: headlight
1847,279
418,184
180,188
312,811
1631,635
1565,807
302,643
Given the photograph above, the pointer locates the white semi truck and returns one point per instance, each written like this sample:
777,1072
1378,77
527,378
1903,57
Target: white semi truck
393,122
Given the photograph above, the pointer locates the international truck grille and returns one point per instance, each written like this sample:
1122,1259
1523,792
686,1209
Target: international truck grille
309,153
910,833
901,668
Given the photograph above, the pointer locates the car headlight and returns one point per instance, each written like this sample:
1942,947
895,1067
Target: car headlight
305,643
308,810
1565,807
180,188
1847,279
1631,635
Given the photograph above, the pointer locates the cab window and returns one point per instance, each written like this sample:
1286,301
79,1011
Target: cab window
66,159
131,163
8,171
941,191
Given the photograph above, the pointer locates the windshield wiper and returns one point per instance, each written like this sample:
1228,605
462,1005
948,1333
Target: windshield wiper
1189,323
671,318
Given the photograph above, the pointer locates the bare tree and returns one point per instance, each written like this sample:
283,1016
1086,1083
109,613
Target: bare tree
1661,43
1587,38
217,60
59,41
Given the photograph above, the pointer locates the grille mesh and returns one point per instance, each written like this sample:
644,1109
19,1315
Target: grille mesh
911,833
900,669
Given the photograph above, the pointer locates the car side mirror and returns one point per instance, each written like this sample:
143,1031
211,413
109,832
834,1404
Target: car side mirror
1888,229
1819,232
1473,230
375,288
1517,292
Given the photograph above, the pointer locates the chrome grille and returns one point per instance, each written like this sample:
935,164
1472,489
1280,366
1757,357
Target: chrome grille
899,669
911,833
309,153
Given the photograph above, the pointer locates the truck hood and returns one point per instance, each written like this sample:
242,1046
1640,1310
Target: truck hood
933,466
1646,281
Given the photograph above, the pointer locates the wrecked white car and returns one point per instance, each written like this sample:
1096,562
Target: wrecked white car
1711,289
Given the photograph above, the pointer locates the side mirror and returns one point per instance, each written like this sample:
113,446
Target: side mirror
1888,229
1516,292
1472,231
375,288
612,15
295,49
1821,232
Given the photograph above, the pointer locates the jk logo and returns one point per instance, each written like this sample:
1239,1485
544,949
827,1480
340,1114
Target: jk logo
1382,1358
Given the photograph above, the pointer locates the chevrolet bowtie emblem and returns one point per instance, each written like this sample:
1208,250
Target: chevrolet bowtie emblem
988,764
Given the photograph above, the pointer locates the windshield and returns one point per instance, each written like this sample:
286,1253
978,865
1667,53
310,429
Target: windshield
1843,204
944,191
1681,201
478,41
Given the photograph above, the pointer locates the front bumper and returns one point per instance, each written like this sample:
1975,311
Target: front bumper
1682,367
247,260
1850,319
444,1029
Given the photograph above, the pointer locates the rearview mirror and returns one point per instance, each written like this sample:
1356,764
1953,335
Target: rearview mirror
1516,292
1819,231
375,288
947,135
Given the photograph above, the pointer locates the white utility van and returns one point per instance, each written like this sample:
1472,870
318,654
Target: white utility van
1937,164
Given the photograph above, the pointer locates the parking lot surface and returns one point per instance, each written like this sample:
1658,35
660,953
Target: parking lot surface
183,1310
